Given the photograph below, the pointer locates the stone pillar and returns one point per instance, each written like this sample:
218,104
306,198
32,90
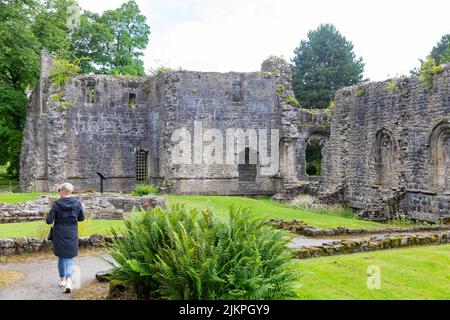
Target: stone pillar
288,159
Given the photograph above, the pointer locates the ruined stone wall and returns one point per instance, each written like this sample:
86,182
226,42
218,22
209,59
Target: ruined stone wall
390,138
100,123
218,101
92,124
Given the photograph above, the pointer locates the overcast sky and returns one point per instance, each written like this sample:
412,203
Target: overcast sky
237,35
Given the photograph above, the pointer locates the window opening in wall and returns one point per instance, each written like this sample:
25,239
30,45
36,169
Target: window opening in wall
314,157
142,165
237,91
90,93
132,100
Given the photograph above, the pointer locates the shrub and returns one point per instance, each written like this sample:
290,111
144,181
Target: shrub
292,101
309,203
392,86
304,202
280,89
360,92
428,70
62,71
187,254
145,189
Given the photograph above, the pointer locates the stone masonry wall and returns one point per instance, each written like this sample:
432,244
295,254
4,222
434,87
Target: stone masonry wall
100,123
97,206
391,141
213,102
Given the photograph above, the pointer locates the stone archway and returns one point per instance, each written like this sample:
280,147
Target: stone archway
439,144
314,145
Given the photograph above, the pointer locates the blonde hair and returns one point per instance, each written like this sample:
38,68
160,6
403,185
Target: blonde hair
66,188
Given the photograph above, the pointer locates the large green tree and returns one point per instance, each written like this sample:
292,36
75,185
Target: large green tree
19,70
322,65
113,42
51,28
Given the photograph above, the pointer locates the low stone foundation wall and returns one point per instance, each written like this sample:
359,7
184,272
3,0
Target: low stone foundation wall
98,206
301,228
11,246
372,244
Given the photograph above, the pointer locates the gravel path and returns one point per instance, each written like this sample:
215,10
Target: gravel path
40,277
303,241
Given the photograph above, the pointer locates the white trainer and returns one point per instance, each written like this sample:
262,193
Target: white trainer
69,285
62,283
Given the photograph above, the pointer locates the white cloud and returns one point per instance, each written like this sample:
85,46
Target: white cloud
218,35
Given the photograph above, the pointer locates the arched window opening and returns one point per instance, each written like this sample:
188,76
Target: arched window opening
385,157
440,157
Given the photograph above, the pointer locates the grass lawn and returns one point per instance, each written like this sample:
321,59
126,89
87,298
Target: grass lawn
39,229
8,197
260,207
409,273
274,209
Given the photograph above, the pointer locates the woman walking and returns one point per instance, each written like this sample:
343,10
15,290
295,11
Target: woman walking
65,213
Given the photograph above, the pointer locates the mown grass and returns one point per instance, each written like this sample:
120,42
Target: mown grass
260,207
273,209
37,229
409,273
9,197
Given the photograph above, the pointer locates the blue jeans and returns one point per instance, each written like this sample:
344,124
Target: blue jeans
65,267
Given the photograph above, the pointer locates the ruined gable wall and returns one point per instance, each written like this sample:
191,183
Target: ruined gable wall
82,136
220,101
401,121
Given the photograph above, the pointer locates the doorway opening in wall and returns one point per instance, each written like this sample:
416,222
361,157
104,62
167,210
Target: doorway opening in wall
314,157
142,165
247,171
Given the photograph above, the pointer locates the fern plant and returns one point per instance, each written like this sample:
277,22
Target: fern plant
190,254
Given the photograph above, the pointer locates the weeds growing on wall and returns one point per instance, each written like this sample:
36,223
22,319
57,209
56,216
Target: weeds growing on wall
292,101
62,71
427,72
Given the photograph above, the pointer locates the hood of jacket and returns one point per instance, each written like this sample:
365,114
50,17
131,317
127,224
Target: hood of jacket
68,203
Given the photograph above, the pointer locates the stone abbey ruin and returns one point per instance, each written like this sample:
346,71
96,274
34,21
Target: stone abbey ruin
384,149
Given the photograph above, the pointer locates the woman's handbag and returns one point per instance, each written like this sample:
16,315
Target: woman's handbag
50,234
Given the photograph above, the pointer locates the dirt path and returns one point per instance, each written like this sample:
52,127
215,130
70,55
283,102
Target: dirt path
39,278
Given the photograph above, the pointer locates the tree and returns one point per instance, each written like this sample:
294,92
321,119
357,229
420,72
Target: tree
113,42
50,26
19,70
440,54
322,65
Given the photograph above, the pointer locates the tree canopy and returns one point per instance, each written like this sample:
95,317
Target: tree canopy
110,43
322,65
113,42
440,54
